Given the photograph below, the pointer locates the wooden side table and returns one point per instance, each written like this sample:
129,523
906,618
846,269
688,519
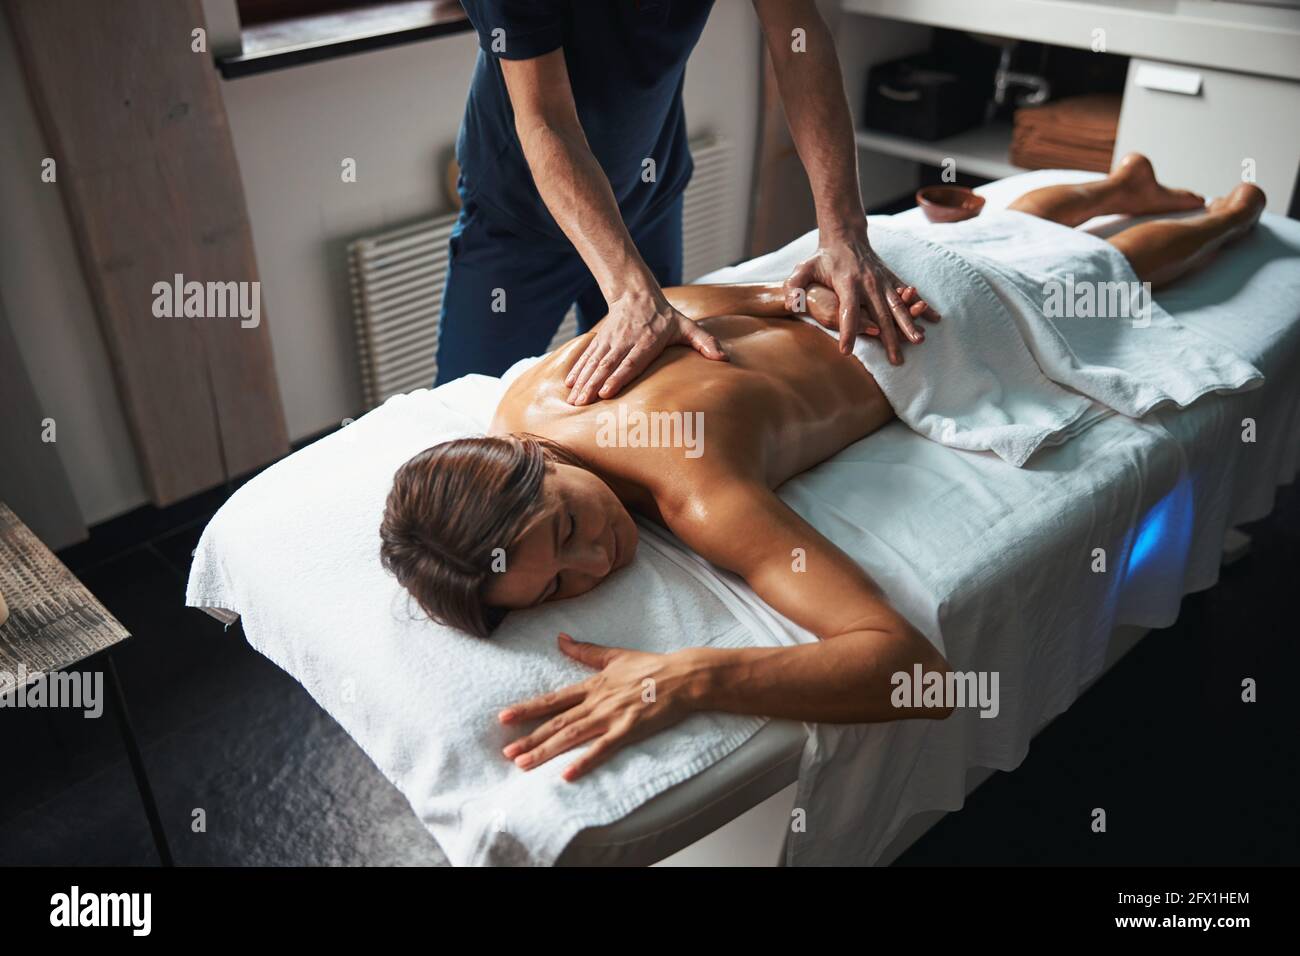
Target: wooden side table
54,622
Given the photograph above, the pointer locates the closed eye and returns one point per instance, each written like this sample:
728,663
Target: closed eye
554,587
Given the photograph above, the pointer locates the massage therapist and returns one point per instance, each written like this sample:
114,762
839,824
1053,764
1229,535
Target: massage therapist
573,160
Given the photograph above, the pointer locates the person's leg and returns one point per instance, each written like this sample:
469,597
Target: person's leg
660,245
1162,250
505,297
1132,189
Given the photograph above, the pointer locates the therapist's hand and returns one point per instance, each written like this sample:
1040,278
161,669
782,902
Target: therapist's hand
639,326
867,291
633,695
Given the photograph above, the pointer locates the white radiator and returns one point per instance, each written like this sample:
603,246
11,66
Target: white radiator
712,228
397,277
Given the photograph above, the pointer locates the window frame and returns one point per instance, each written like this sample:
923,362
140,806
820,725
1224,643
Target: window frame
289,33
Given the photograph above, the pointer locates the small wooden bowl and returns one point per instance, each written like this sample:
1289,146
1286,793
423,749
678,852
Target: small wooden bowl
949,203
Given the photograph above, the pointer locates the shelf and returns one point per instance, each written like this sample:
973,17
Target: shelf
1244,37
977,152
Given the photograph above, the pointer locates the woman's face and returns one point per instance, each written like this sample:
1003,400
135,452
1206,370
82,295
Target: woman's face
582,534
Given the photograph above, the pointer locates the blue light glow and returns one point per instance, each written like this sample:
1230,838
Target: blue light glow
1165,532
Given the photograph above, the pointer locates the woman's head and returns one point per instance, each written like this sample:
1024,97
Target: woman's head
478,526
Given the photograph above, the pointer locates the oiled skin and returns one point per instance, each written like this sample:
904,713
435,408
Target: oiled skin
786,400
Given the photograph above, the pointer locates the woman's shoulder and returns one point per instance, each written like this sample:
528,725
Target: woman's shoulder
537,394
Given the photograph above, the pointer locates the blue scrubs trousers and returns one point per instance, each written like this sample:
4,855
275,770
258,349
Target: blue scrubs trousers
532,282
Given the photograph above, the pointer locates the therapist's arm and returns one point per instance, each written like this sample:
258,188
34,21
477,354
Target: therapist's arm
641,323
812,92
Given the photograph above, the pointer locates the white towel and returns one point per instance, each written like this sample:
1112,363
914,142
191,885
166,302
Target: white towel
997,373
295,552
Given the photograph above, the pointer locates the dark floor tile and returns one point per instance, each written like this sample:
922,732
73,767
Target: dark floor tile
265,779
178,547
279,783
178,660
177,664
49,750
138,527
95,822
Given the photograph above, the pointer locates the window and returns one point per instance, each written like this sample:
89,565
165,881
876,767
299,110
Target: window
254,12
274,34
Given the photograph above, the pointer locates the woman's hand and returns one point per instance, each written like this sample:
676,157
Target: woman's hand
633,695
823,306
868,292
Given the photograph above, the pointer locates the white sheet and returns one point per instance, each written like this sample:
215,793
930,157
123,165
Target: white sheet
989,561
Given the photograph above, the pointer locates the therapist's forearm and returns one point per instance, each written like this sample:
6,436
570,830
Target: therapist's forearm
812,91
578,195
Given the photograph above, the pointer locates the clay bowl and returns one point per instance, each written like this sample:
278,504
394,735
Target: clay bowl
948,203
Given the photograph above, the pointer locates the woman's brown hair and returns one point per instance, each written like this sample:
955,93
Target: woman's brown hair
450,508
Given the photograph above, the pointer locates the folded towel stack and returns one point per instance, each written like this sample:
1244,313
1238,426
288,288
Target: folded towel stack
1077,132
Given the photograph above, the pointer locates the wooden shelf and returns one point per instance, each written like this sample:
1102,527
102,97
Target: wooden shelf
978,152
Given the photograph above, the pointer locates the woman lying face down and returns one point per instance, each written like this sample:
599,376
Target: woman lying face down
540,509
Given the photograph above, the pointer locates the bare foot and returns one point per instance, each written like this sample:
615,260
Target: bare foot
1242,207
1142,195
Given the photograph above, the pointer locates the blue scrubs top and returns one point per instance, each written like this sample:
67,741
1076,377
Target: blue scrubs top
627,63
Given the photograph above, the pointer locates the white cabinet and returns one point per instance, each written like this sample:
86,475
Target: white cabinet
1202,128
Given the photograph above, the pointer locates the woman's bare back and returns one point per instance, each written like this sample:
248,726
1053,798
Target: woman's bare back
786,400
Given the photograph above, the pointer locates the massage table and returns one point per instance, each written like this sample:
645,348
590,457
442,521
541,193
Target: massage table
739,806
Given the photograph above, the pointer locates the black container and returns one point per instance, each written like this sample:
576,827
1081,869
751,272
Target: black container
919,98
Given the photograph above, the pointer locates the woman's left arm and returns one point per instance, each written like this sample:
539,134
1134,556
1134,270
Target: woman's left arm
772,300
845,677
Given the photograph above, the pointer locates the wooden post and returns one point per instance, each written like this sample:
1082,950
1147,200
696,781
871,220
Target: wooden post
133,117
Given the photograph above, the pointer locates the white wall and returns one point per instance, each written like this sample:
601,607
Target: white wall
395,111
862,41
